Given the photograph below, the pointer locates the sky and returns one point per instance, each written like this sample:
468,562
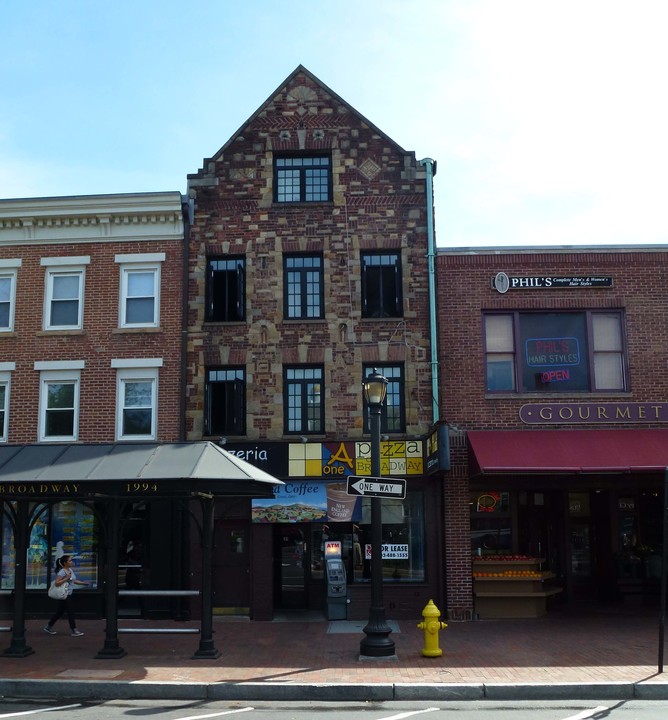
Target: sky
548,120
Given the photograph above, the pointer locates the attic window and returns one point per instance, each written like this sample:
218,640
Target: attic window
302,178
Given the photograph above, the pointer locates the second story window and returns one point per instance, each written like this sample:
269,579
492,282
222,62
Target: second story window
225,405
4,401
556,352
7,293
59,401
381,285
302,179
136,398
393,411
225,289
303,291
304,401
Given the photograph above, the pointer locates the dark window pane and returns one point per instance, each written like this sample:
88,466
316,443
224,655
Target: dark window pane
137,421
225,394
226,290
140,311
381,285
302,179
304,403
59,423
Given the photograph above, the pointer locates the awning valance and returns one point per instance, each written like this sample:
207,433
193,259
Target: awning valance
568,451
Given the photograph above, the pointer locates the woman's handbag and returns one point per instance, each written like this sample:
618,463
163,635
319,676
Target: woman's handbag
58,592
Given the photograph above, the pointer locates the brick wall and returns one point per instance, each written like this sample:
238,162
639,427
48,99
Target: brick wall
465,292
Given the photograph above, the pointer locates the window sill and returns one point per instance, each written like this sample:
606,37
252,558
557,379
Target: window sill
573,397
51,333
300,204
135,330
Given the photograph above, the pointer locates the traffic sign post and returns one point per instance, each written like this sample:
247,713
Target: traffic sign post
376,487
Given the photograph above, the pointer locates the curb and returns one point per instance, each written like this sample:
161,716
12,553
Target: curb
443,692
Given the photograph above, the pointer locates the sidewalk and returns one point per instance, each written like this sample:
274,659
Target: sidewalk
593,654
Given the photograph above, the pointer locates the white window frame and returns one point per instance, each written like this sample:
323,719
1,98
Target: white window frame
51,373
139,263
8,271
6,369
58,267
136,370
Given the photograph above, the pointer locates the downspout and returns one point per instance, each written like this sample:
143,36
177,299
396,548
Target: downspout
187,206
430,167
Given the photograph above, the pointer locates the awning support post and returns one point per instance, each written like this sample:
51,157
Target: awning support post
18,647
206,648
112,649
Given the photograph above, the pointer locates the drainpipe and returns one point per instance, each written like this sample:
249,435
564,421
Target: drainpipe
430,167
187,207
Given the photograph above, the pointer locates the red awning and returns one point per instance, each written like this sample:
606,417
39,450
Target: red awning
568,451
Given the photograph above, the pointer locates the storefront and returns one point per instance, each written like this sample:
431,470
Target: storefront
288,532
586,503
89,500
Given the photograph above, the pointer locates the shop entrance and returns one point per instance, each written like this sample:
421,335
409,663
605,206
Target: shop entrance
231,565
291,566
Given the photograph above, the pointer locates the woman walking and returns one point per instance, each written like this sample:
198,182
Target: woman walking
65,574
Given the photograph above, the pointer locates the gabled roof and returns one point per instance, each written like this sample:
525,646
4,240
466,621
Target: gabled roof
115,469
301,69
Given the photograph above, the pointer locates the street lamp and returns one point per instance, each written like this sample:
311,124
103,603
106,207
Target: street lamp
377,642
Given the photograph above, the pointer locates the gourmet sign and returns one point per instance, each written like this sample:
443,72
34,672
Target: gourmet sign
597,413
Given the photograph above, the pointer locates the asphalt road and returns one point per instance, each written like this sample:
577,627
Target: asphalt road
472,710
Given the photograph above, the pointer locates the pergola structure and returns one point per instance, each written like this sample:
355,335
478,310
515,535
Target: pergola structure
110,474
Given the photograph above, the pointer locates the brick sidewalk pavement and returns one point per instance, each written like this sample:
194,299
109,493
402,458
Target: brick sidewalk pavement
562,647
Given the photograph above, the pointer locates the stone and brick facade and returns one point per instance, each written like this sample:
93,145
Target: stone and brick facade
377,203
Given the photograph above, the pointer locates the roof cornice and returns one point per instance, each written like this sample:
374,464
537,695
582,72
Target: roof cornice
91,218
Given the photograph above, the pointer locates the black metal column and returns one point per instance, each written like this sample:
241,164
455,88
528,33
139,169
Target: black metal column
206,648
112,649
18,647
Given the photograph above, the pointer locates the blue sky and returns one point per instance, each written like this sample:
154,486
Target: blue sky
548,120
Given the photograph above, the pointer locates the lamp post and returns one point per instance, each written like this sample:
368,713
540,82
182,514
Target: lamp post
377,642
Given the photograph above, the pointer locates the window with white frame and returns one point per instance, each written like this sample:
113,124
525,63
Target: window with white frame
8,269
63,302
140,289
59,400
5,379
136,398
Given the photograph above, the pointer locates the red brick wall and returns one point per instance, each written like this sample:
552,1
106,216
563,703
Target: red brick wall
465,292
98,342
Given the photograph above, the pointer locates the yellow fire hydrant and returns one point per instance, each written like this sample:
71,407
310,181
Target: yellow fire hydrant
431,625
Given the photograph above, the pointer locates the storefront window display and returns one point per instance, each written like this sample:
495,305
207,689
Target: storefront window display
490,522
63,528
403,541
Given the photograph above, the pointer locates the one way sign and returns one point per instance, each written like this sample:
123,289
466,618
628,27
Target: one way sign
376,487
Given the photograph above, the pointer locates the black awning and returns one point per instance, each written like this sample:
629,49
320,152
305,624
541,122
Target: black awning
117,469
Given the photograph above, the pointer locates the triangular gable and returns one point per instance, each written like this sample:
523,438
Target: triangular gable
300,69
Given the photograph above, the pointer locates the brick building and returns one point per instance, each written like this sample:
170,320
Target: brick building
91,316
308,268
552,367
